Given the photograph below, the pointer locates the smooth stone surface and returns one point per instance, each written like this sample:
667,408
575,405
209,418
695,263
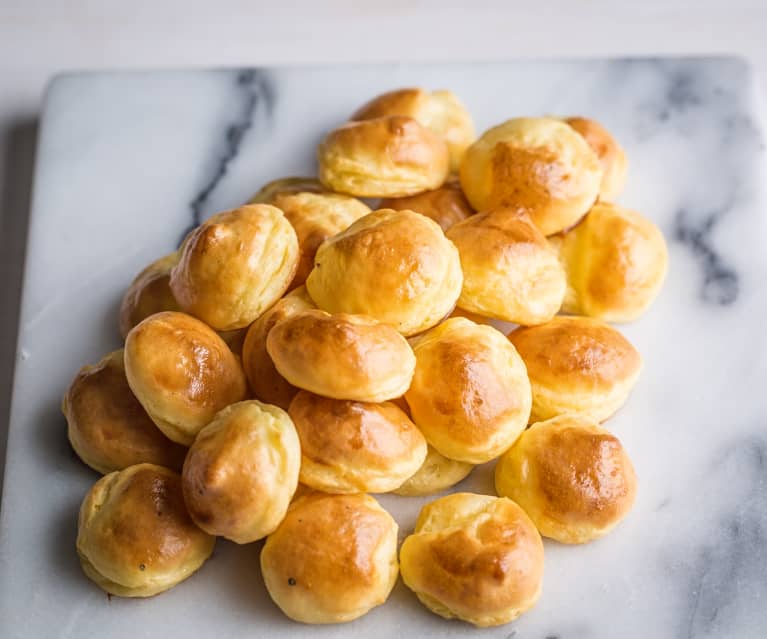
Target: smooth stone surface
127,162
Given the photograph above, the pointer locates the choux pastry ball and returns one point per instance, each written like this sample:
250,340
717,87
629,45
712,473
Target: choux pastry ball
437,473
446,205
148,294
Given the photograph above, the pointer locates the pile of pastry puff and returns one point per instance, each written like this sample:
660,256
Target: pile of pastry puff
302,351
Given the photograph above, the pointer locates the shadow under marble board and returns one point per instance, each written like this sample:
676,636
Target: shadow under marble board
128,161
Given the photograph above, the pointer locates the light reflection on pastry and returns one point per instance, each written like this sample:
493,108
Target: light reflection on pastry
235,265
107,426
182,372
395,266
332,559
572,477
474,557
383,157
241,471
538,164
577,366
134,535
355,447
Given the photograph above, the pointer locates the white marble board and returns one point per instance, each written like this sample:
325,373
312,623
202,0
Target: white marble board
127,162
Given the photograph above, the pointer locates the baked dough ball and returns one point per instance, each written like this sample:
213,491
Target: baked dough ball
286,186
470,395
616,263
148,294
474,557
107,426
440,111
134,535
510,272
577,365
332,559
383,157
572,477
355,447
435,474
182,372
341,356
235,265
265,382
540,164
446,205
316,217
241,471
396,266
611,156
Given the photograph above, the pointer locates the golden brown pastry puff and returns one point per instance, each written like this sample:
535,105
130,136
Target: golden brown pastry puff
235,265
182,372
540,164
577,365
355,447
149,293
285,186
314,217
265,382
470,395
241,471
435,474
616,263
510,271
611,156
474,557
396,266
383,157
572,477
440,111
107,426
341,356
332,559
446,205
134,535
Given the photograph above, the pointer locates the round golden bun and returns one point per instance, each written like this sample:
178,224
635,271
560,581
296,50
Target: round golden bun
539,164
435,474
572,477
474,557
182,372
265,382
510,271
235,265
578,366
611,156
616,262
470,395
314,217
241,471
341,356
396,266
355,447
286,186
446,205
440,111
332,559
383,157
134,536
148,294
107,426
